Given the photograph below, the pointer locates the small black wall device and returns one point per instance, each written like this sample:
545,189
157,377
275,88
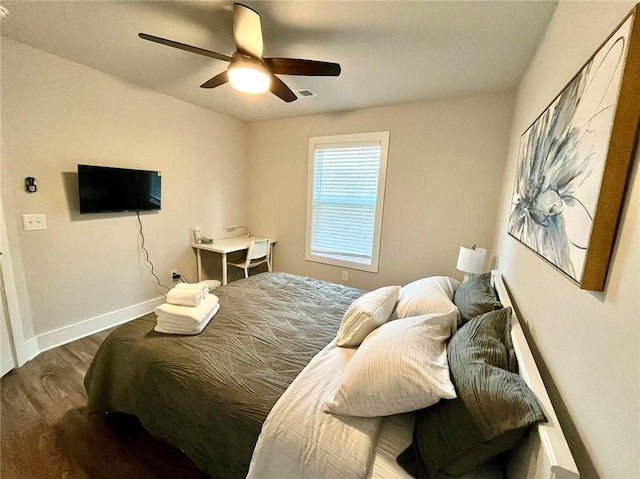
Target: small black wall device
105,189
30,184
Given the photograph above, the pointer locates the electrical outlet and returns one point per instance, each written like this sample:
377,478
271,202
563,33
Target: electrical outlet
173,274
345,276
34,222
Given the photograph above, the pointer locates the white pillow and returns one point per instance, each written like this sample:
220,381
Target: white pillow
367,313
425,296
401,366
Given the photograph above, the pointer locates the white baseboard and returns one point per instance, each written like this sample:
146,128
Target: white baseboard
29,351
66,334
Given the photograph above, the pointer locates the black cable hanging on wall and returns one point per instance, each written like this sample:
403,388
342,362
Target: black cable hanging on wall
146,253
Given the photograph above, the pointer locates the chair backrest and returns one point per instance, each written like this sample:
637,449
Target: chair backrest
258,249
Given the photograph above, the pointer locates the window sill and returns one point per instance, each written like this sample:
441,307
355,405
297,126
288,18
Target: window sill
344,262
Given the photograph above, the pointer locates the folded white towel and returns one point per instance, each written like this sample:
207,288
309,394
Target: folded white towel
189,316
202,286
178,325
163,328
185,297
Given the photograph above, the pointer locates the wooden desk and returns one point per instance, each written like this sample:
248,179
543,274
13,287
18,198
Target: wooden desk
225,246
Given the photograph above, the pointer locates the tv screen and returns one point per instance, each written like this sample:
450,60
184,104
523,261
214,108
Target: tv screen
105,189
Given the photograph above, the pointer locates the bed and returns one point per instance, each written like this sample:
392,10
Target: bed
210,394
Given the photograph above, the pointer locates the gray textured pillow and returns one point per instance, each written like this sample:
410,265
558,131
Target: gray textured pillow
474,297
493,410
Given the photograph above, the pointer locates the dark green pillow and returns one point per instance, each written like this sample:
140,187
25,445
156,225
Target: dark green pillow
493,411
474,297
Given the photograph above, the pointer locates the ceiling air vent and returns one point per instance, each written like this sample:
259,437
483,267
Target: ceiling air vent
305,93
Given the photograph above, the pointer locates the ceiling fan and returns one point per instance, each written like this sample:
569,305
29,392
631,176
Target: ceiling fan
248,70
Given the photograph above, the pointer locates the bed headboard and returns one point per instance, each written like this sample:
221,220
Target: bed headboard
545,452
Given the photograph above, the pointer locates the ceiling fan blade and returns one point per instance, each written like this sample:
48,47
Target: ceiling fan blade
183,46
217,80
281,90
247,31
297,66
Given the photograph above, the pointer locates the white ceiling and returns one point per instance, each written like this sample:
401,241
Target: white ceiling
391,52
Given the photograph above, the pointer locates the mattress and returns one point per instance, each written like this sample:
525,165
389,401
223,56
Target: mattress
209,394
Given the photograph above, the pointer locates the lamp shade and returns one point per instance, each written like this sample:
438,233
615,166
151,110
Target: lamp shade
471,260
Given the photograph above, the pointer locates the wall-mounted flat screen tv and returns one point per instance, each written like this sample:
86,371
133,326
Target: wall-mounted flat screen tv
105,189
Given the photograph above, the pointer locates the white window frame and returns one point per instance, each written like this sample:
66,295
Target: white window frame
344,140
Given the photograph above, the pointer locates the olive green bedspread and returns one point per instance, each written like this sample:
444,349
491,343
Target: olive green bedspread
209,394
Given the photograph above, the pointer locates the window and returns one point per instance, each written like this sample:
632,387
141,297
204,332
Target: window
345,199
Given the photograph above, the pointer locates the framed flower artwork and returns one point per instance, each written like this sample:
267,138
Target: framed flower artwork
574,160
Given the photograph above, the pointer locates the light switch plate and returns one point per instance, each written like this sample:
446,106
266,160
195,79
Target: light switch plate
34,222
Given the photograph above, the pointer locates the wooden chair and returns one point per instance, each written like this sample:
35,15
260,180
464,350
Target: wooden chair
259,252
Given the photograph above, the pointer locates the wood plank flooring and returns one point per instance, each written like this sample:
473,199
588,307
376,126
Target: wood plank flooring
46,431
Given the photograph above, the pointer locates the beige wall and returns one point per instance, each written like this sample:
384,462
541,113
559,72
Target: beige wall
56,114
589,341
446,160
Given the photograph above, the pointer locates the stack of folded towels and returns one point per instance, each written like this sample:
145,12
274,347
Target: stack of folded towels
188,309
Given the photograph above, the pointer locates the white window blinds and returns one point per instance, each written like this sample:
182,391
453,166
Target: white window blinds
346,201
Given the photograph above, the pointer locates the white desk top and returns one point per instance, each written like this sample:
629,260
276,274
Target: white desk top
229,245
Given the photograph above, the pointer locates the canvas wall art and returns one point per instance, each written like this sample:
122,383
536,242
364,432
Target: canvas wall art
574,160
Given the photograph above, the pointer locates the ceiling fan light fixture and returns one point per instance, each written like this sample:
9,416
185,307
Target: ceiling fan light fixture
249,76
249,71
